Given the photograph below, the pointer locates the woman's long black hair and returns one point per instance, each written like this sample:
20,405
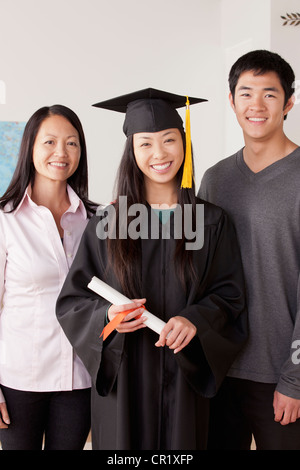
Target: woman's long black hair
25,172
124,254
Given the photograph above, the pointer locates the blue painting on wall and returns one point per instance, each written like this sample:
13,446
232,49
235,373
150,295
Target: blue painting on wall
10,139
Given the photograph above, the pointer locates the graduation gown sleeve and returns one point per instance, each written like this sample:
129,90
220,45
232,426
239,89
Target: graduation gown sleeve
82,313
217,307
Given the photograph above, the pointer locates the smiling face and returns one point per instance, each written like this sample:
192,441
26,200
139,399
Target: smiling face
159,155
56,150
259,104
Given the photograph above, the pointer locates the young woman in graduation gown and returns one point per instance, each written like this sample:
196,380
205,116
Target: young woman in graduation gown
149,391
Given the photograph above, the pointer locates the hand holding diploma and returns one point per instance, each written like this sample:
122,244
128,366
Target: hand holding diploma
118,299
177,334
127,315
134,319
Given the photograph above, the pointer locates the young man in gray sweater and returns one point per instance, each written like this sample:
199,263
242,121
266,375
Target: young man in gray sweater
259,187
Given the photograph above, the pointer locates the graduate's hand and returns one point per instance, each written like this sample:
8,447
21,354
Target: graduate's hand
286,409
176,334
130,323
4,418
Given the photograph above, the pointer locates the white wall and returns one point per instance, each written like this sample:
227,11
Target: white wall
286,41
245,26
258,25
78,52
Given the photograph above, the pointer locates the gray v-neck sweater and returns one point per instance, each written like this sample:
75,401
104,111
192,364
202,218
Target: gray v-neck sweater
265,208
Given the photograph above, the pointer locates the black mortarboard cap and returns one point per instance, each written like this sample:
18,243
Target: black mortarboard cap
152,110
148,110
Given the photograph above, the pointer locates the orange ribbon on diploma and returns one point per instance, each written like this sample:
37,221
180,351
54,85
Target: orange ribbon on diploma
116,298
112,325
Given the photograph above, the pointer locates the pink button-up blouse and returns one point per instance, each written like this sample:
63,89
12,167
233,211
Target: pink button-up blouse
35,354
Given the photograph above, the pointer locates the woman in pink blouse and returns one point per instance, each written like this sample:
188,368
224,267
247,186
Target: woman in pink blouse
44,387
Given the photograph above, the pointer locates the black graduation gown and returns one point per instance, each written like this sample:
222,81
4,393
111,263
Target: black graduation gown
145,397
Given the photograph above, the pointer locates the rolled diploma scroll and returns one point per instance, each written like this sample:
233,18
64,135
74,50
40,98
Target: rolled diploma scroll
116,298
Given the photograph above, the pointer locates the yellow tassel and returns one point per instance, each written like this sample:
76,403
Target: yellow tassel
187,177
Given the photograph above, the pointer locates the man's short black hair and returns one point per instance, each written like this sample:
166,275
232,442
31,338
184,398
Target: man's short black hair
261,62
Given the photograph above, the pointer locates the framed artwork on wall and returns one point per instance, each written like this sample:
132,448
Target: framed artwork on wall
10,139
